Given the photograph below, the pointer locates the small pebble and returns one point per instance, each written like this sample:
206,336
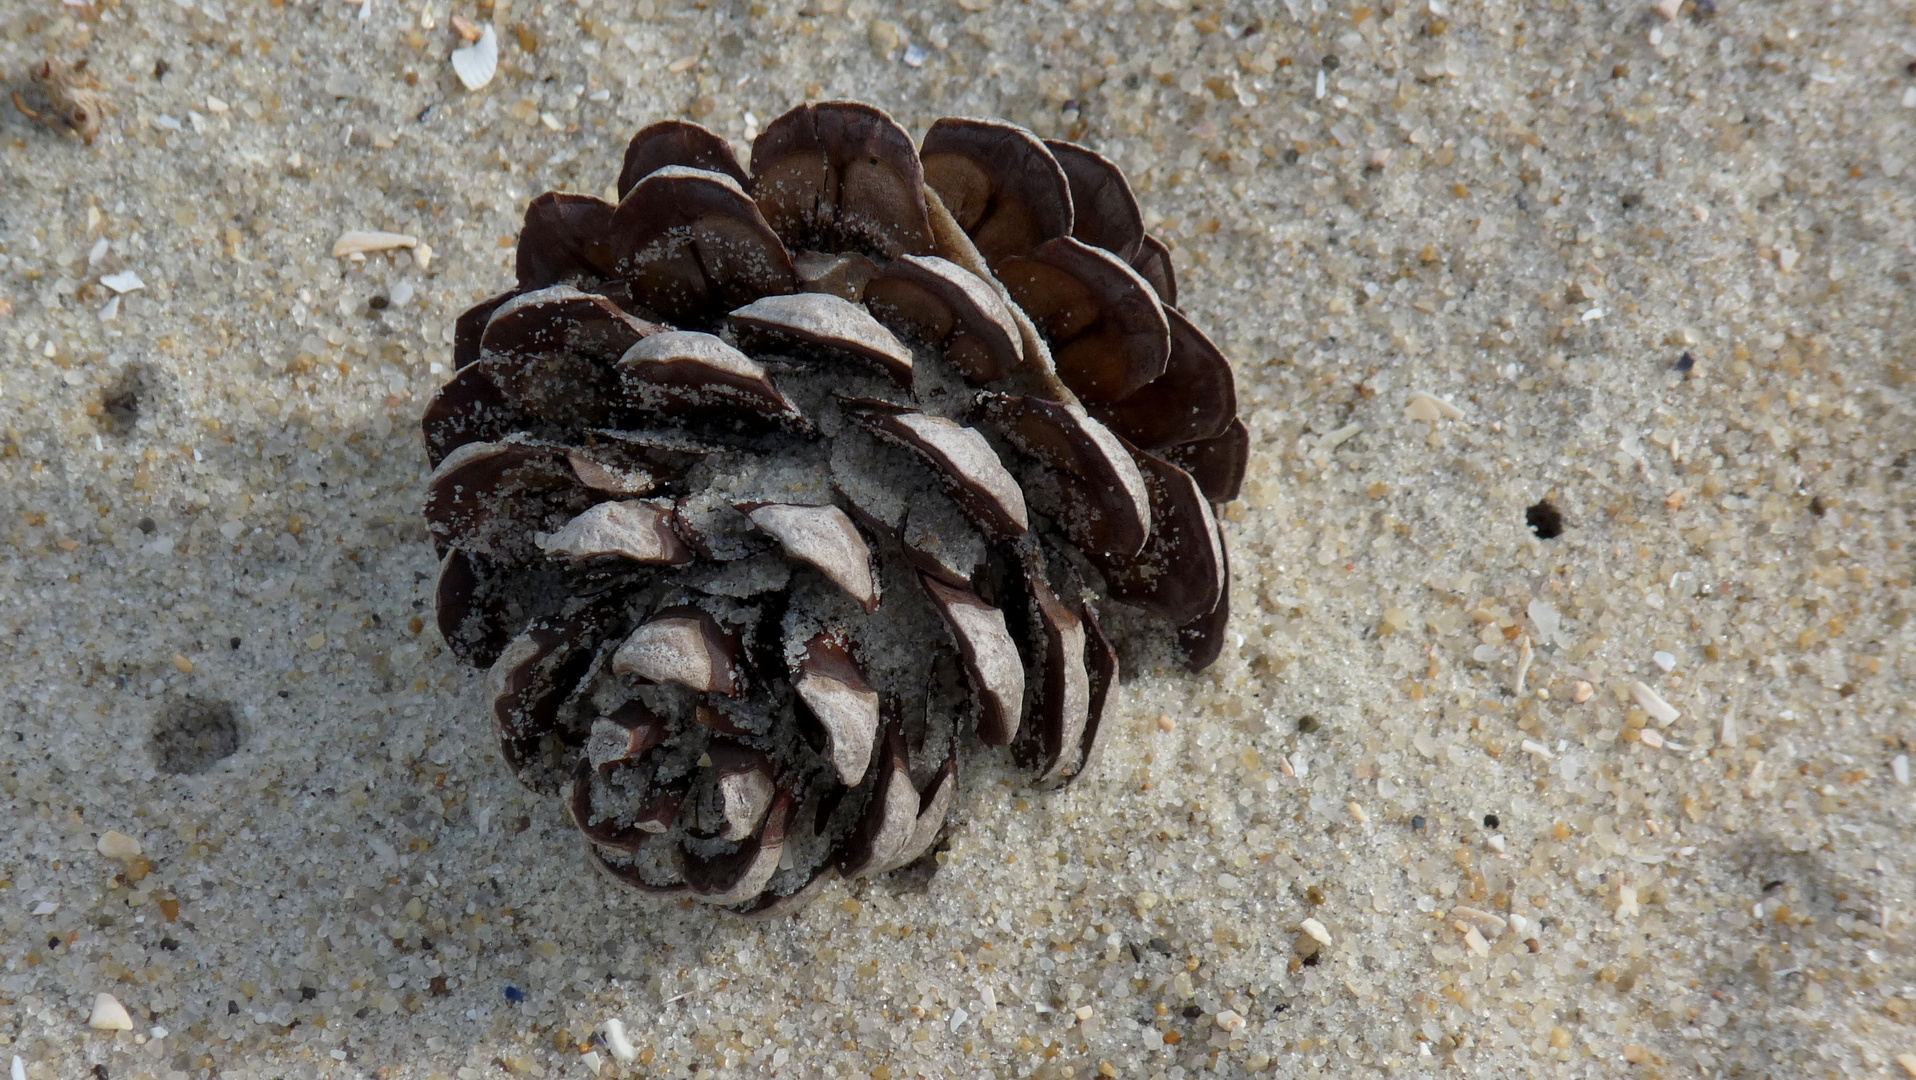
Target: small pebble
1229,1020
118,845
1626,902
1581,693
1899,768
45,907
1316,930
1664,660
514,994
1417,822
109,1014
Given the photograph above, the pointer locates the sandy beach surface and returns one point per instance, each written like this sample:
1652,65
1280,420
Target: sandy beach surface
1458,800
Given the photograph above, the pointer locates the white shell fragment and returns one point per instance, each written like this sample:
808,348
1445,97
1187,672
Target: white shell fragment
1660,710
477,63
125,281
1316,929
617,1042
365,243
1430,408
109,1014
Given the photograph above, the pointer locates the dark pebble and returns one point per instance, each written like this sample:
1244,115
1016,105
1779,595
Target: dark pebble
1545,520
515,995
1159,945
1331,63
1307,725
1192,1012
1685,362
1417,823
1491,821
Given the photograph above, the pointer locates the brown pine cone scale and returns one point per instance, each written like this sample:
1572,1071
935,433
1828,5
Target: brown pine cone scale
762,491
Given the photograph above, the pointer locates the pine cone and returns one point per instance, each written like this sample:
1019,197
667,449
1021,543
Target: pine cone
720,478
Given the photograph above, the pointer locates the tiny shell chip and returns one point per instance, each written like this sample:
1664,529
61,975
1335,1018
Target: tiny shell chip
477,63
109,1014
349,243
1660,710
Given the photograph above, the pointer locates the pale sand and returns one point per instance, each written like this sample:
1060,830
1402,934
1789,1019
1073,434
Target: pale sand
1574,196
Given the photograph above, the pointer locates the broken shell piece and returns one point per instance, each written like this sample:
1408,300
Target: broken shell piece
827,679
1430,408
969,467
108,1015
826,538
365,243
640,530
682,645
125,281
990,657
477,63
1660,710
820,323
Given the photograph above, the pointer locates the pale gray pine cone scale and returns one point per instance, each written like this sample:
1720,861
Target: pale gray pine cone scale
761,491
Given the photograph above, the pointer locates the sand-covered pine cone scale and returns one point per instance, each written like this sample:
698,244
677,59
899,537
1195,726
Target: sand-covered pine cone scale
761,491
